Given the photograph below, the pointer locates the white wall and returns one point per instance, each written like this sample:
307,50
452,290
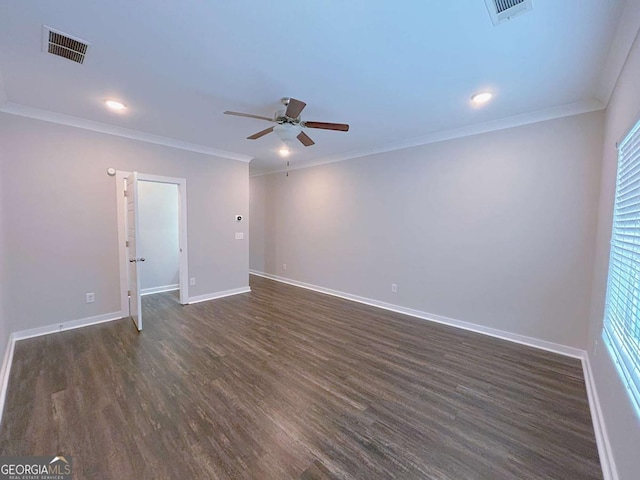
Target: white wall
5,331
158,235
257,237
61,229
623,425
495,229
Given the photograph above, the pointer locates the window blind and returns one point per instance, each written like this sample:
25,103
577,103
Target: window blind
622,310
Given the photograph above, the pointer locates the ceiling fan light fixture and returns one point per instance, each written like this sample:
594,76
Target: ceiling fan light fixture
481,98
287,132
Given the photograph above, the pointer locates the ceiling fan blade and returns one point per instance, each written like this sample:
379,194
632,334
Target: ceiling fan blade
260,134
342,127
305,139
259,117
294,108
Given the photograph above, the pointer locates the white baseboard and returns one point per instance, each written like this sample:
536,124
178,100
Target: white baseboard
493,332
607,462
70,325
213,296
4,373
166,288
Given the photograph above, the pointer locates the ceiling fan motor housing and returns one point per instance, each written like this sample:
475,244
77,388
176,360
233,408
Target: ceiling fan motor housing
281,117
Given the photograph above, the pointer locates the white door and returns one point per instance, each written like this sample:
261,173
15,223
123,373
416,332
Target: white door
135,306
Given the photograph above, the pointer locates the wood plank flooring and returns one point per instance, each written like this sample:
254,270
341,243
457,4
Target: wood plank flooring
286,383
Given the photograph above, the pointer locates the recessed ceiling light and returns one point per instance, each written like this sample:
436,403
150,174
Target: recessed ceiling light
284,152
115,105
480,98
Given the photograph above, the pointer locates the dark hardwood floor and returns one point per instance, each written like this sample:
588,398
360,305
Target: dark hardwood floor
286,383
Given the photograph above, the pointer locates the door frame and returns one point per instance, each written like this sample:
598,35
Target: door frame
121,176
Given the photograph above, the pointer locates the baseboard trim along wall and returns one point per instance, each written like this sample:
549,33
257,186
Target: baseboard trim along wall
493,332
166,288
213,296
70,325
607,462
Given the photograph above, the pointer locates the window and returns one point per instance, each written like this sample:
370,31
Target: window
622,311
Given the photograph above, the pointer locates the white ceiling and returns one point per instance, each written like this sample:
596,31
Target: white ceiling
392,70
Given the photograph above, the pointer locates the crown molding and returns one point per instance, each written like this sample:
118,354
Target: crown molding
625,37
62,119
567,110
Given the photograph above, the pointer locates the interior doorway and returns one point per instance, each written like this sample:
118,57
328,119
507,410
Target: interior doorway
158,237
150,206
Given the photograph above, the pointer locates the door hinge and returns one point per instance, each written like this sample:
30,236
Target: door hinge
129,293
125,193
126,243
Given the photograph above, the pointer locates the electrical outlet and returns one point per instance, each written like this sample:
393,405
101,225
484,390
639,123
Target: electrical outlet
284,266
394,288
91,297
192,281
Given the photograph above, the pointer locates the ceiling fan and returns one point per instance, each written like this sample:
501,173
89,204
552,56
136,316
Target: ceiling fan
289,125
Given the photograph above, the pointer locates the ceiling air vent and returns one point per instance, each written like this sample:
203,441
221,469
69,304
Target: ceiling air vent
63,45
503,10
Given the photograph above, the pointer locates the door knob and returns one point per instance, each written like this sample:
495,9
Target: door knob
141,259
